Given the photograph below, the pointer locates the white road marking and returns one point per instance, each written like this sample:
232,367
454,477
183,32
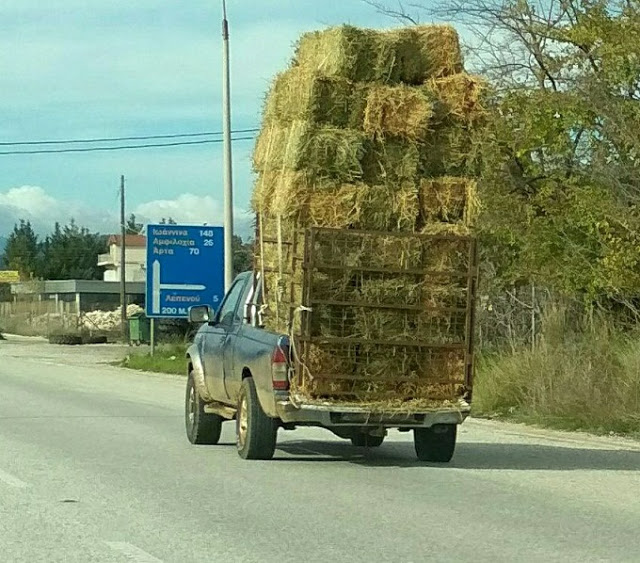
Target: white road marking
132,552
12,481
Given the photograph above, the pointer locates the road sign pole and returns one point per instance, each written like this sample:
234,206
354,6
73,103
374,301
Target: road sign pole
123,264
228,170
153,336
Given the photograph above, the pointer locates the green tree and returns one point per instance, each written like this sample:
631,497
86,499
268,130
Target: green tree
168,221
21,252
242,255
558,162
71,252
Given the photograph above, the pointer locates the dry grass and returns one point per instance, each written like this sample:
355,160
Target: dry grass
587,381
397,111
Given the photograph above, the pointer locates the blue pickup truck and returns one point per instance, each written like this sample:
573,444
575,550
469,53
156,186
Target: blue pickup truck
238,370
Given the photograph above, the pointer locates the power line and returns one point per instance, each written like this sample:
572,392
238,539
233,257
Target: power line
123,147
120,139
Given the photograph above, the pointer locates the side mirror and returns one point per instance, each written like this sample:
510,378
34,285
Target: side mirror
200,314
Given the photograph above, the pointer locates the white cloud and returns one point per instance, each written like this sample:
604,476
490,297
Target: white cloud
35,204
191,209
32,201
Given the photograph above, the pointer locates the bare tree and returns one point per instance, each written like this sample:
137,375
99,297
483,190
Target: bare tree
401,11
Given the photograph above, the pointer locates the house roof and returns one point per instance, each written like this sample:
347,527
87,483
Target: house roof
130,240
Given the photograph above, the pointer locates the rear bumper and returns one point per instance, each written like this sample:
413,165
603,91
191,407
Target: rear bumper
341,415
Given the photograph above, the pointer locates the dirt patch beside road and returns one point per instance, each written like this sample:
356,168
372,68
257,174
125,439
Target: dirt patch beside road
31,348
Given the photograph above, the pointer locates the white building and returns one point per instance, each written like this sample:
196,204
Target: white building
135,256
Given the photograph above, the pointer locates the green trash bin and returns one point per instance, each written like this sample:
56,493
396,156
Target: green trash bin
139,330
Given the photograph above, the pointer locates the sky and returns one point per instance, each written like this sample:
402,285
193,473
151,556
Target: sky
76,69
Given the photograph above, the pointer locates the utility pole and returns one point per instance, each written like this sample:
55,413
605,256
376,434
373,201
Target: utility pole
123,262
228,170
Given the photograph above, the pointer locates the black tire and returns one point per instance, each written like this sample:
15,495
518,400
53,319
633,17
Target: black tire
202,428
95,340
256,433
65,339
361,440
437,443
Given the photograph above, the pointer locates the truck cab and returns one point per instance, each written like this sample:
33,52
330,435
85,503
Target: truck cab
239,371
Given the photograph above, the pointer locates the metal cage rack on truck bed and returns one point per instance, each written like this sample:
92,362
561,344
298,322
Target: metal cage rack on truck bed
374,316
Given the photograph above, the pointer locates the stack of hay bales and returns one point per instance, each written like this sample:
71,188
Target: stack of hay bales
367,130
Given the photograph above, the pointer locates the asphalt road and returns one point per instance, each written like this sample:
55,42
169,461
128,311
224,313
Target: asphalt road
94,466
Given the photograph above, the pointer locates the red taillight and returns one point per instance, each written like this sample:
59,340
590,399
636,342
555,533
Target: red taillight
279,370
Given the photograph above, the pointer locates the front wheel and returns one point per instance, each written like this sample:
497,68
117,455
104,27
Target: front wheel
202,428
437,443
256,433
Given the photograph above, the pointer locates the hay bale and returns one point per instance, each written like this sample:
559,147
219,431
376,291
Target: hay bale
389,290
387,207
321,152
271,136
441,328
263,191
334,208
332,153
459,98
440,52
446,256
290,193
447,151
393,253
457,229
448,200
397,111
359,105
298,94
343,51
333,285
398,57
359,206
393,161
410,55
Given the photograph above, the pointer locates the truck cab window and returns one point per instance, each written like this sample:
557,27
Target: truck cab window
229,312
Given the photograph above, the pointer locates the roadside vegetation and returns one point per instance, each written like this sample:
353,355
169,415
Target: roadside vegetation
168,358
587,380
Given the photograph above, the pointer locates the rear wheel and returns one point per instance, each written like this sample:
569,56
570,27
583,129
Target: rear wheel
436,443
366,440
202,428
256,433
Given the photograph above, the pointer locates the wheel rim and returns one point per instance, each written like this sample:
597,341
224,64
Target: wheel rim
243,422
191,414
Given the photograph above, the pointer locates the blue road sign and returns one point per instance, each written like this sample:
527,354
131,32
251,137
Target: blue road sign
185,267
